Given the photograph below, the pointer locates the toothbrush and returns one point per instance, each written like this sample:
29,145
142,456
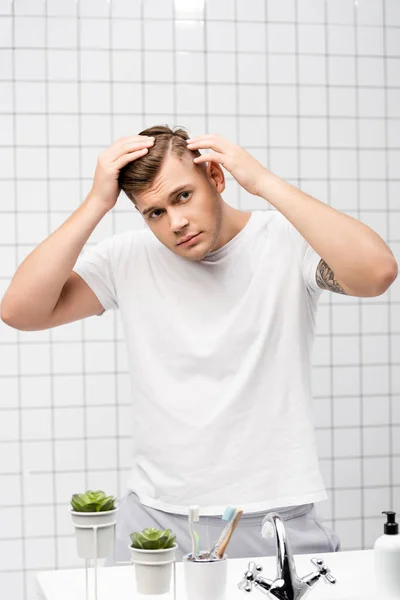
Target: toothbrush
227,516
233,524
194,515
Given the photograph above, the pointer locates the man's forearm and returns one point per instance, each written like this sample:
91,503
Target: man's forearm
38,281
356,254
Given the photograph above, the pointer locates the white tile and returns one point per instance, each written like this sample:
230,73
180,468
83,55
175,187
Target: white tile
158,8
224,9
39,553
341,39
125,421
35,358
5,7
281,37
341,70
94,65
37,456
35,391
63,97
126,8
396,470
392,42
347,411
67,553
11,554
6,32
347,473
6,97
282,131
222,101
30,96
64,195
64,130
372,134
36,424
313,132
68,422
394,163
313,163
346,349
7,66
8,265
220,36
252,68
64,162
392,12
375,350
99,357
29,32
100,389
375,499
63,64
370,71
393,71
321,411
126,97
284,163
100,421
349,532
125,448
67,358
189,35
347,503
369,12
100,329
393,99
375,379
190,67
251,37
370,41
32,228
60,8
29,64
312,70
373,529
342,133
126,35
69,331
69,455
159,66
39,521
346,381
221,68
394,194
122,356
393,133
347,442
63,32
372,164
31,130
9,425
252,131
67,484
282,69
94,8
104,480
254,11
376,441
370,191
311,39
311,11
95,129
312,101
340,11
8,229
11,522
282,100
281,10
376,471
102,454
8,353
318,189
324,443
94,33
371,102
343,164
158,35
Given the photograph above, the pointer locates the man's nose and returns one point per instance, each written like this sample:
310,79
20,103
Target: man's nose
177,222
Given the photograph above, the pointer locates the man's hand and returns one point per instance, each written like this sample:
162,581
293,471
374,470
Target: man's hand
247,171
105,187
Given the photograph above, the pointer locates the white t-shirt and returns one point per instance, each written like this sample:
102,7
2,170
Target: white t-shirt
220,363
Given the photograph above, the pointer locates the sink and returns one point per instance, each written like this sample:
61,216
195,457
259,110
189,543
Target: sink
353,570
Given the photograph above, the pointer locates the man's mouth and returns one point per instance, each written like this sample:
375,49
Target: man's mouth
189,239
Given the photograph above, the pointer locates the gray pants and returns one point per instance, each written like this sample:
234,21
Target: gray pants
305,532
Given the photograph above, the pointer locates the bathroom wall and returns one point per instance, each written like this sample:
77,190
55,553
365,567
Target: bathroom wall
312,89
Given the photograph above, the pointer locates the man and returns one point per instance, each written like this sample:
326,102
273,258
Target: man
218,307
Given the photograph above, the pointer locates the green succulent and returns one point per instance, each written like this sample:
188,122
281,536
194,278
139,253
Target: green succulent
92,501
153,539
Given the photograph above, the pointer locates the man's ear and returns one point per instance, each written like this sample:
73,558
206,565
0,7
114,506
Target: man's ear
216,175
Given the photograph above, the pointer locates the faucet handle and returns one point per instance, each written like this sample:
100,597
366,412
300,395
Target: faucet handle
249,577
323,570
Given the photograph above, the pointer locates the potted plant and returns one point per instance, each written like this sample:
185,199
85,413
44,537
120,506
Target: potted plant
152,553
93,516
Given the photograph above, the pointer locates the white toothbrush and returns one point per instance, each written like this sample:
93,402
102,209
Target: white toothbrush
194,515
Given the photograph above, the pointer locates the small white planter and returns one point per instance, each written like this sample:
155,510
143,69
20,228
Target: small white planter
153,569
94,529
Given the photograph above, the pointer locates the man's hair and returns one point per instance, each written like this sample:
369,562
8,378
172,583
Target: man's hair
139,174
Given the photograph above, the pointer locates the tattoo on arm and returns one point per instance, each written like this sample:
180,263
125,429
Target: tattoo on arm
326,279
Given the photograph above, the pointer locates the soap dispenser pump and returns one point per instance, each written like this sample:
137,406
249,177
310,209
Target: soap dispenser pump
387,558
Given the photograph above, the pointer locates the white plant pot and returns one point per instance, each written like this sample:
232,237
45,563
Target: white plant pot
88,526
153,569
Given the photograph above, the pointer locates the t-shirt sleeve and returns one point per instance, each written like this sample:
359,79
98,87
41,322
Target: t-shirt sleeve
94,266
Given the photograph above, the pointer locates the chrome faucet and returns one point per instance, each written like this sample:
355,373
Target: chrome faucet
287,585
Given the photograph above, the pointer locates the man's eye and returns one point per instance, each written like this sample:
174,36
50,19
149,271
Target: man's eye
154,213
185,193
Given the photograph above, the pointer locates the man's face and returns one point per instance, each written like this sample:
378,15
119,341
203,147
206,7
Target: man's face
184,201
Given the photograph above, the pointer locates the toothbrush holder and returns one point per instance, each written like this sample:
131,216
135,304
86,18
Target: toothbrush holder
205,579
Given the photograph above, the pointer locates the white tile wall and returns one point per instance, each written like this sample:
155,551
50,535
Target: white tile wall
76,75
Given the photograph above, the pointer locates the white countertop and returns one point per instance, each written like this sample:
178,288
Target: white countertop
354,572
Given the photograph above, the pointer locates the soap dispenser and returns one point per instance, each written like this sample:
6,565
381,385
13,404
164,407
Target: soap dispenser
387,559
